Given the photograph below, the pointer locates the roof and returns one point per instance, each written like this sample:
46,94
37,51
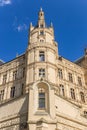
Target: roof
1,62
80,59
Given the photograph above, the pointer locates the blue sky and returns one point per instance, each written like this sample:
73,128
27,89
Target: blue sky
69,18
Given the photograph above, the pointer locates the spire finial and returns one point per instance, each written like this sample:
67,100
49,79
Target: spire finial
41,9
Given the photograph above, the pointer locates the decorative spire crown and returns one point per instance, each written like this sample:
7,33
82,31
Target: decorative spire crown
41,18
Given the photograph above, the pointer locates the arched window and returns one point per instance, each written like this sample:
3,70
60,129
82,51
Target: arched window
61,87
82,96
41,98
72,92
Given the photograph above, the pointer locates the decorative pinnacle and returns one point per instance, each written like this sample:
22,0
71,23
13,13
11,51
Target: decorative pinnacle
85,51
31,24
51,24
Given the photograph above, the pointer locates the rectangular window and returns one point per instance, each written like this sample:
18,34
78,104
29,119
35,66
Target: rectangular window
82,96
41,72
4,78
41,100
60,74
41,56
12,93
22,89
41,40
72,93
79,81
70,77
14,75
41,32
41,25
23,72
85,114
1,95
61,87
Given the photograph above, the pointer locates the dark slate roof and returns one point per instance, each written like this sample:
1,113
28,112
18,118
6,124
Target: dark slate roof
1,62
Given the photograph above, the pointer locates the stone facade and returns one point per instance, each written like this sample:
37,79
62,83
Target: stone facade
40,90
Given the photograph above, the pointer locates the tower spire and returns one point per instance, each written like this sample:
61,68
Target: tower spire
41,18
41,9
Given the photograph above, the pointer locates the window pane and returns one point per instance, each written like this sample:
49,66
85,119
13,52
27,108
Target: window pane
41,95
60,74
62,90
72,93
70,77
42,72
41,100
41,56
12,94
79,81
41,32
42,103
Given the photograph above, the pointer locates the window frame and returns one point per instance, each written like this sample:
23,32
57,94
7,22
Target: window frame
12,92
60,73
70,76
41,56
2,95
42,106
62,90
15,75
42,32
72,93
42,72
82,97
79,81
4,78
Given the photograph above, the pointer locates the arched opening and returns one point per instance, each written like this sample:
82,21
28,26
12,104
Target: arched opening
43,96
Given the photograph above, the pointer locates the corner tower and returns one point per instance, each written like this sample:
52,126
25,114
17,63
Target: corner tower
41,71
42,51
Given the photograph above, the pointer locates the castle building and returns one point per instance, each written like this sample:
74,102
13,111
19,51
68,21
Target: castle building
41,90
